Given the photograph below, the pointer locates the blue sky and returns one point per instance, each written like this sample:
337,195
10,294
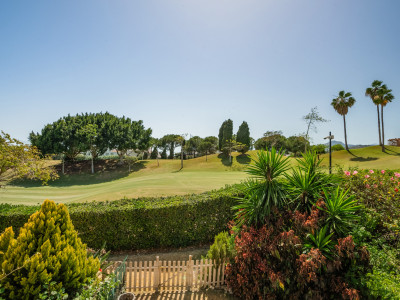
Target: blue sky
185,66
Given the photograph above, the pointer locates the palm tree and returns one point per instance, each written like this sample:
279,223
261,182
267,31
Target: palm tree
385,96
373,92
341,104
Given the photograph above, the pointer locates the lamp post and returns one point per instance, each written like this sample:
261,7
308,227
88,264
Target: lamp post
330,137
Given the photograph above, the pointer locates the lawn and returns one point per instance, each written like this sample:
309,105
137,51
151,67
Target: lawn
149,179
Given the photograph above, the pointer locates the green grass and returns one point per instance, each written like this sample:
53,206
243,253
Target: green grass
366,158
148,179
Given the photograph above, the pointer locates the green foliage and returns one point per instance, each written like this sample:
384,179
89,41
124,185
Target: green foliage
223,248
225,133
170,142
130,224
306,182
340,210
18,160
51,291
192,145
47,249
96,133
98,289
243,136
320,240
264,190
337,147
208,145
271,139
319,149
296,144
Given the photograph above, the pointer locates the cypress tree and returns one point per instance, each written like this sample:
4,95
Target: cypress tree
227,131
243,135
221,136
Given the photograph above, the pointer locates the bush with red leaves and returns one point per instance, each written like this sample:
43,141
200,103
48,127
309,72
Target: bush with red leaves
270,263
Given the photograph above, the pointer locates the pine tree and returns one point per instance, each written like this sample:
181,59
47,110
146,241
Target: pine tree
47,249
243,136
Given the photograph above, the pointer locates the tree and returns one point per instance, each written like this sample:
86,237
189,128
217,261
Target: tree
47,249
193,144
271,139
319,149
243,136
209,145
229,147
18,160
341,104
385,96
374,93
65,136
311,119
171,141
225,133
88,134
296,144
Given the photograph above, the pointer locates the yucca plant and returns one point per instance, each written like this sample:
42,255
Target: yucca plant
265,189
340,210
306,182
320,240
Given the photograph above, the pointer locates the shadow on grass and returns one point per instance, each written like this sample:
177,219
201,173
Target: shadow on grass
359,158
225,159
79,174
243,159
391,152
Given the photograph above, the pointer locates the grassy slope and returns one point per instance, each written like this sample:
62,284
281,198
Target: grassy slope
147,180
150,180
366,158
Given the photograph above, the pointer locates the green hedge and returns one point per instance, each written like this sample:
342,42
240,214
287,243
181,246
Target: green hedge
175,221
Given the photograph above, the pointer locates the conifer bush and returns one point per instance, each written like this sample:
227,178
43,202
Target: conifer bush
47,249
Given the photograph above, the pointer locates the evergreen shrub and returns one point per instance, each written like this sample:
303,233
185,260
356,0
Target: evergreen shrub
130,224
46,250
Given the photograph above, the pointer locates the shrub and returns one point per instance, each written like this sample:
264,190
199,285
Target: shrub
337,147
223,248
47,249
270,263
131,224
265,190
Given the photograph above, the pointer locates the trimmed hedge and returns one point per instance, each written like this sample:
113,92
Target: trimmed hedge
131,224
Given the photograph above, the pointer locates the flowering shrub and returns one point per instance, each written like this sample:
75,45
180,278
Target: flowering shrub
377,190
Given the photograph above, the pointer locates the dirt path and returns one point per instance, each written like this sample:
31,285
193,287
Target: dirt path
168,254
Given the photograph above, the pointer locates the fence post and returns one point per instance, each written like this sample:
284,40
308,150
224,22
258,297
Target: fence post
189,274
157,273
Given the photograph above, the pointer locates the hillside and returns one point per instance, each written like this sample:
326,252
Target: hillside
149,179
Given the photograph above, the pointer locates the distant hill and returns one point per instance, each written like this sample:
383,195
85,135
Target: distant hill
350,145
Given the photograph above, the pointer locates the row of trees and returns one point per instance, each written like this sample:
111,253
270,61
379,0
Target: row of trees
95,133
380,95
194,145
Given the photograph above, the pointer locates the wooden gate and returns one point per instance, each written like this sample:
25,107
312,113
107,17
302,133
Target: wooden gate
152,276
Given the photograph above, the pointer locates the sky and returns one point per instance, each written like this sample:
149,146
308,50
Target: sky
185,66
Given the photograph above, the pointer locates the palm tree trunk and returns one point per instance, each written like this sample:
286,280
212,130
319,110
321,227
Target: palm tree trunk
383,130
345,133
379,125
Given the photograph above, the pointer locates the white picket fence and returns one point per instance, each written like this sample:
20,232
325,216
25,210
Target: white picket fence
162,276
